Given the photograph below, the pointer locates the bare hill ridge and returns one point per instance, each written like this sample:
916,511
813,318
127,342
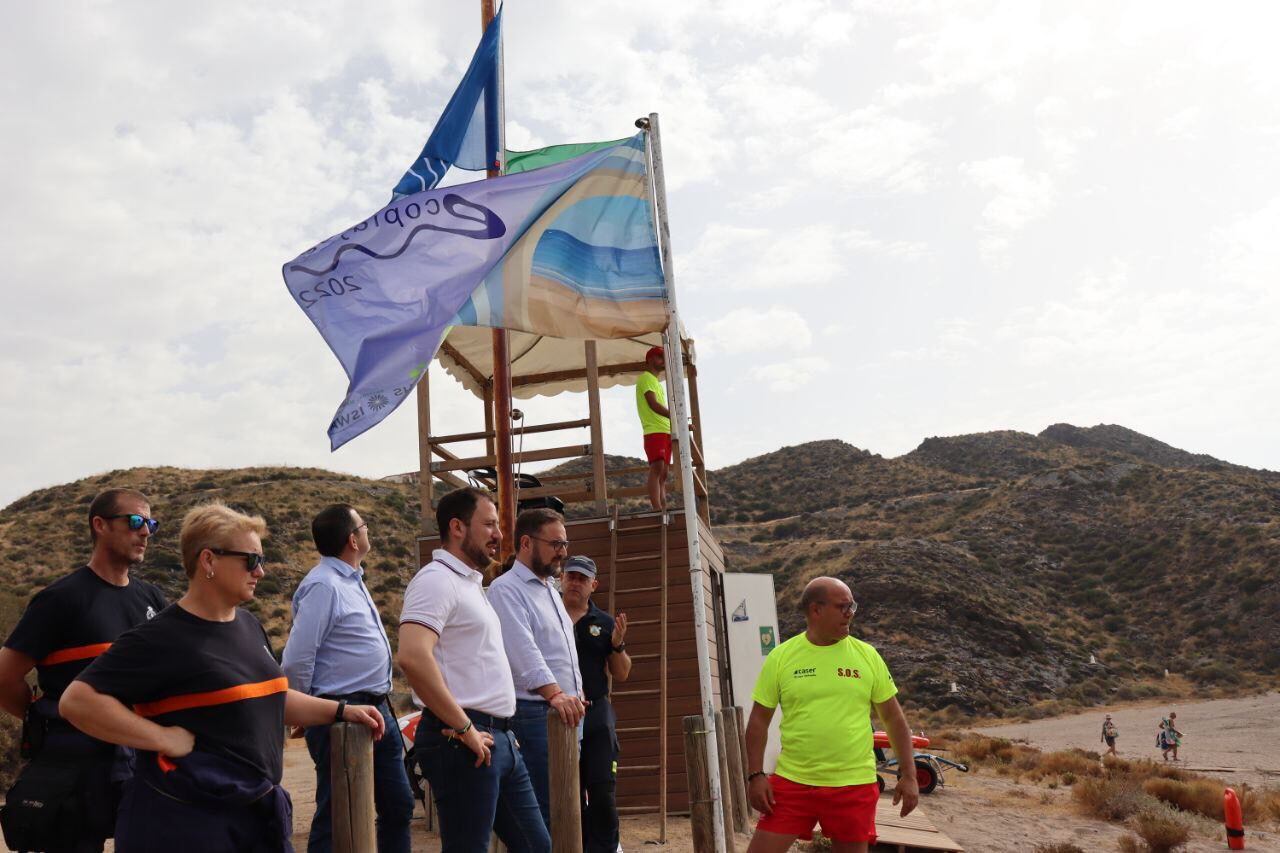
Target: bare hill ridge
999,561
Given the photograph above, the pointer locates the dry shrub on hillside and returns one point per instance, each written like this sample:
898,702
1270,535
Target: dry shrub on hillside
1160,829
1145,768
1075,763
1204,797
1201,796
978,749
1014,758
1117,798
10,735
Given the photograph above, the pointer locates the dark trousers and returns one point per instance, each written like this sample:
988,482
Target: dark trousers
598,770
152,822
530,727
392,797
474,801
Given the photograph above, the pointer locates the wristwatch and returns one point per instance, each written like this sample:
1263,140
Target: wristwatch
619,649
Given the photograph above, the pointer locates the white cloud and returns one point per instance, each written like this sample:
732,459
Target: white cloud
784,376
745,330
992,213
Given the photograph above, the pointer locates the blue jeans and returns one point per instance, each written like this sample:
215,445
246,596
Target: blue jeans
530,727
474,801
392,796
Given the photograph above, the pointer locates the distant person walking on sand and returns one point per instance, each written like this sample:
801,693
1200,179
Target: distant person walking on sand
1169,738
655,419
826,683
1109,735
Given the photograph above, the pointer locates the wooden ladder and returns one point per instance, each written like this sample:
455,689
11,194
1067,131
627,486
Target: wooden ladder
617,533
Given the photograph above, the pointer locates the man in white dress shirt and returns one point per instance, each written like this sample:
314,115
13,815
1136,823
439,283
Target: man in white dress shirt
451,652
538,636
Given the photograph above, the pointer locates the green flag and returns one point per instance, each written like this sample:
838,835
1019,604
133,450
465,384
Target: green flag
524,161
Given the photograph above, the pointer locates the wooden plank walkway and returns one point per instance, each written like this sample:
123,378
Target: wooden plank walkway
913,832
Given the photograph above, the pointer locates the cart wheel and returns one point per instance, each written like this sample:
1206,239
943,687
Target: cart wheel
880,782
416,783
925,776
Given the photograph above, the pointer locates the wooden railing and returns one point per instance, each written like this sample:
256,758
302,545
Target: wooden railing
571,488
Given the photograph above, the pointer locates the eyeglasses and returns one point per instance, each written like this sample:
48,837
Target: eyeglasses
136,521
557,544
252,561
847,609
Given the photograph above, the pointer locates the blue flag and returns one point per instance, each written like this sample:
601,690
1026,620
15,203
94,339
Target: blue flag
568,250
466,134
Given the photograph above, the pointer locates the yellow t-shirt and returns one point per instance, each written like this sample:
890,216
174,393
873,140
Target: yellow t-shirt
650,420
826,693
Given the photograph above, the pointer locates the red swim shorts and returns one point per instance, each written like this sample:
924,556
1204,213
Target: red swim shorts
846,813
657,446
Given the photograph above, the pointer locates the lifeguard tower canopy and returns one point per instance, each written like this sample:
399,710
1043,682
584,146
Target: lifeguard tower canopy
543,366
642,556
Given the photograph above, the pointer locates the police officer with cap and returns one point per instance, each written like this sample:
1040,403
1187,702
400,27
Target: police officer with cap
602,647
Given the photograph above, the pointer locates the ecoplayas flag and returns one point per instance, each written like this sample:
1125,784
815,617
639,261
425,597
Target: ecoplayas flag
569,250
466,134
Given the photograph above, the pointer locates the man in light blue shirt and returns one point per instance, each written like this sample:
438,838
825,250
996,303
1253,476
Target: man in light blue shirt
537,634
338,649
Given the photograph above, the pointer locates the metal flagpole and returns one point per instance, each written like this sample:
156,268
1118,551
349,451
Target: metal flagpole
680,418
495,143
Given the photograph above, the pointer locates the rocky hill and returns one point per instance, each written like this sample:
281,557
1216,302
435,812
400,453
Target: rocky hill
1001,561
1005,562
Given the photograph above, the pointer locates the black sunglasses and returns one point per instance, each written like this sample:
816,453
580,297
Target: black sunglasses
252,561
136,521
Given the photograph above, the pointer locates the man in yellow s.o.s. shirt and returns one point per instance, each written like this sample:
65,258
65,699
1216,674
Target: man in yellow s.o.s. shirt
826,683
655,420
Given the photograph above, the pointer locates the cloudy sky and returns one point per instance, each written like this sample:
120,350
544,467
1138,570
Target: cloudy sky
891,219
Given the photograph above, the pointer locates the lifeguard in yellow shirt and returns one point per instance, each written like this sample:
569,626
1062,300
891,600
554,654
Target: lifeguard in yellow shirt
655,419
826,683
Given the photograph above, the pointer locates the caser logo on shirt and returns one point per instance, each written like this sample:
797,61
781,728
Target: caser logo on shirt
808,672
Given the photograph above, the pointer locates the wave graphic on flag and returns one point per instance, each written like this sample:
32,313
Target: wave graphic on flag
589,268
568,250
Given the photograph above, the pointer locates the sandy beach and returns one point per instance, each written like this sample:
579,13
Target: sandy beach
995,814
1230,738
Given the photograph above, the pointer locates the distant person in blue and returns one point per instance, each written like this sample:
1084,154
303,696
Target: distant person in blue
537,634
338,650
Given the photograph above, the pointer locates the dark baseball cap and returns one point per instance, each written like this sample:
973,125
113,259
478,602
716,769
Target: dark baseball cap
581,565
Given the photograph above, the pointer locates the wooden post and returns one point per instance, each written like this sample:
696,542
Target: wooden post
488,417
426,490
566,803
740,720
351,787
599,484
726,785
701,806
704,508
735,779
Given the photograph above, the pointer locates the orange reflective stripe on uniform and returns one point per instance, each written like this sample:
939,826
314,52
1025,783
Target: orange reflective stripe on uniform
213,697
75,653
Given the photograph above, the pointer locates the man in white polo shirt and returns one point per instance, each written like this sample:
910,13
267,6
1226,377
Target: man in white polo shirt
451,652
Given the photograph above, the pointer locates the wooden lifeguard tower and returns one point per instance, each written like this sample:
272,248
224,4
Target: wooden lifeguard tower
643,557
